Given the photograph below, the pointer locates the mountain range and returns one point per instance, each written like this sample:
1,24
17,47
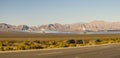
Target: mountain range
77,27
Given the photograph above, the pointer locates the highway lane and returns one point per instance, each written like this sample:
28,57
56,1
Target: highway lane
103,51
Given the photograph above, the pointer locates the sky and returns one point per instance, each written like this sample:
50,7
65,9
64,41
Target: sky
38,12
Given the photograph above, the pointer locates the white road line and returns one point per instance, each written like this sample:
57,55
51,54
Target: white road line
50,53
106,46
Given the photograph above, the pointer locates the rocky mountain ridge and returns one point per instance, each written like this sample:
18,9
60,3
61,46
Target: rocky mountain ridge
78,27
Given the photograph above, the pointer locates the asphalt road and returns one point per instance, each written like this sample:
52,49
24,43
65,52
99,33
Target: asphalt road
103,51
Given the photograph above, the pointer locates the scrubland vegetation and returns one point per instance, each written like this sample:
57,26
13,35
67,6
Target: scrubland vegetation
24,41
6,45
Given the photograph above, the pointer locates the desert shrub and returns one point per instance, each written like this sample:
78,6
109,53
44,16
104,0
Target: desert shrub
72,45
36,46
71,41
27,47
25,43
91,42
111,41
51,46
79,41
1,44
7,48
98,41
86,42
37,41
44,46
105,42
62,44
1,48
118,40
51,42
43,42
20,47
5,43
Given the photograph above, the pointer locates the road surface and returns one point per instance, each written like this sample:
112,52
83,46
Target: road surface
103,51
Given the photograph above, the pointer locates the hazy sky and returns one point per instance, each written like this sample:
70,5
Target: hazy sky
37,12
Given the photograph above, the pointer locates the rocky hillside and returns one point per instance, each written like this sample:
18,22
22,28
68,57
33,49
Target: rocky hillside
91,26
